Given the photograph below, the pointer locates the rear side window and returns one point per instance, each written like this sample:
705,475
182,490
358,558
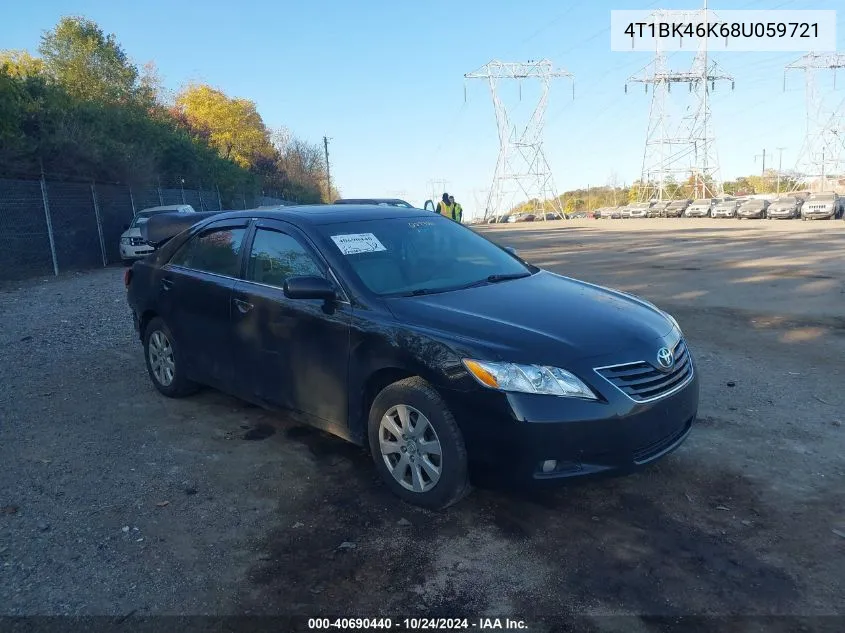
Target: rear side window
277,256
212,251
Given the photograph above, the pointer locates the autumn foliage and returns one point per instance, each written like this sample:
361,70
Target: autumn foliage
82,110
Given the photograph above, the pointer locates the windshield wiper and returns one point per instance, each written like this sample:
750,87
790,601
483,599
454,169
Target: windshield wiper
490,279
495,278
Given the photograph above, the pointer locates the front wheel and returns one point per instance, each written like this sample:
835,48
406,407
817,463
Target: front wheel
164,361
417,446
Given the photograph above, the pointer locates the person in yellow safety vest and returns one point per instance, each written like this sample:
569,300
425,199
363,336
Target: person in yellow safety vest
457,210
444,207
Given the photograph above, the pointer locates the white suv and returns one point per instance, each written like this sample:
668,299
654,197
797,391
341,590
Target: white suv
132,246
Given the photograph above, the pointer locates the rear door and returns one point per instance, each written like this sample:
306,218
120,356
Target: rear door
290,353
195,291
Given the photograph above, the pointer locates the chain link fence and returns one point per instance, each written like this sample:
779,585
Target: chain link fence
51,227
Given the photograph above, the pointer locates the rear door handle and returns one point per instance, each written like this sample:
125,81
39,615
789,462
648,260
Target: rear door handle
166,284
243,306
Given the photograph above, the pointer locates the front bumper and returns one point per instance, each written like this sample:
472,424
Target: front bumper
697,213
818,215
509,436
130,252
724,214
756,215
783,215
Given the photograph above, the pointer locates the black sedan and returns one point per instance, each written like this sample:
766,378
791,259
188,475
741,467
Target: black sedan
402,331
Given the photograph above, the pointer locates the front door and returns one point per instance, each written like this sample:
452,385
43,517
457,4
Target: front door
195,292
290,353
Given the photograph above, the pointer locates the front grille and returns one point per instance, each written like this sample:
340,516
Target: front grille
136,241
643,381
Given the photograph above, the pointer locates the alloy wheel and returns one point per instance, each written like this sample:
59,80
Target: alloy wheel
410,448
161,358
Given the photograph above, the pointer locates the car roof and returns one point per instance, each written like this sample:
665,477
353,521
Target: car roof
314,214
378,201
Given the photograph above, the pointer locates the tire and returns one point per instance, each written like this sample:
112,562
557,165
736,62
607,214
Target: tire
158,341
420,402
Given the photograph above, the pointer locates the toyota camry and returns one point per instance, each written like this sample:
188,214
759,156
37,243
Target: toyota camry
440,351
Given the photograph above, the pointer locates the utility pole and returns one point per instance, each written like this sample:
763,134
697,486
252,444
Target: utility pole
763,173
328,171
780,164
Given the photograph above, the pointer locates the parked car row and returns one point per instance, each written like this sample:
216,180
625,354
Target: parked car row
815,206
530,217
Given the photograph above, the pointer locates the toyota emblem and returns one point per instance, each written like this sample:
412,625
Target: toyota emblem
665,358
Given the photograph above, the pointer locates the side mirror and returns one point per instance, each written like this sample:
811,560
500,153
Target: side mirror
512,251
429,205
309,288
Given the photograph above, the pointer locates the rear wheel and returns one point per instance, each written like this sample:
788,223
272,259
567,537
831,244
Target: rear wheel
417,446
164,362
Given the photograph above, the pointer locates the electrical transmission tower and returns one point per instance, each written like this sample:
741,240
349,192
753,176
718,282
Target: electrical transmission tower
676,150
822,153
521,168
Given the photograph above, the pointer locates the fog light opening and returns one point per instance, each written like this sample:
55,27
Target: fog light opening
549,465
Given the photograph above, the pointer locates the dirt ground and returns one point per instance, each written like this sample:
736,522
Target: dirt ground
117,501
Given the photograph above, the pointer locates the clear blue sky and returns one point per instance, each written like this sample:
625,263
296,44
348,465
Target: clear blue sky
384,80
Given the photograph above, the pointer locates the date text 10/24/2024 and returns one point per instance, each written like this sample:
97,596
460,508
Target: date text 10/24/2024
417,624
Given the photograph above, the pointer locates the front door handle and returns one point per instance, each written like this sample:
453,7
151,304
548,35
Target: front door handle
243,306
166,284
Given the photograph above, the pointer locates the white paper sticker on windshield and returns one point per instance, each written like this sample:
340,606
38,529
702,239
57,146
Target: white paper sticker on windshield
358,243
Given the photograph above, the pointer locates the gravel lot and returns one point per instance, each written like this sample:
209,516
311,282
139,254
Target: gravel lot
116,501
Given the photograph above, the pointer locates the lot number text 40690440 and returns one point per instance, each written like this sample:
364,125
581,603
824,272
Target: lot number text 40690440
418,624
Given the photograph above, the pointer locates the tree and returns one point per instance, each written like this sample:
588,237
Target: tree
233,126
88,64
20,64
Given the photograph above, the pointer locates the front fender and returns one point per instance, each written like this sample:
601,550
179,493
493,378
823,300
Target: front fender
383,353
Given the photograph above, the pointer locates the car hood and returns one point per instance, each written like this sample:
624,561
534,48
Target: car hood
134,232
544,316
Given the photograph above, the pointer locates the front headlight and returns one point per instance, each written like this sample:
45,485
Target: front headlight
538,379
126,241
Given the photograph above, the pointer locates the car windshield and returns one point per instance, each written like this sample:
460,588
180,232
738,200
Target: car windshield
421,255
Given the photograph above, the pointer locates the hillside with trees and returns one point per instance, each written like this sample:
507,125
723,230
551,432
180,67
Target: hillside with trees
613,195
81,110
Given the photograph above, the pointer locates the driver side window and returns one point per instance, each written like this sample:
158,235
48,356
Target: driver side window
276,256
